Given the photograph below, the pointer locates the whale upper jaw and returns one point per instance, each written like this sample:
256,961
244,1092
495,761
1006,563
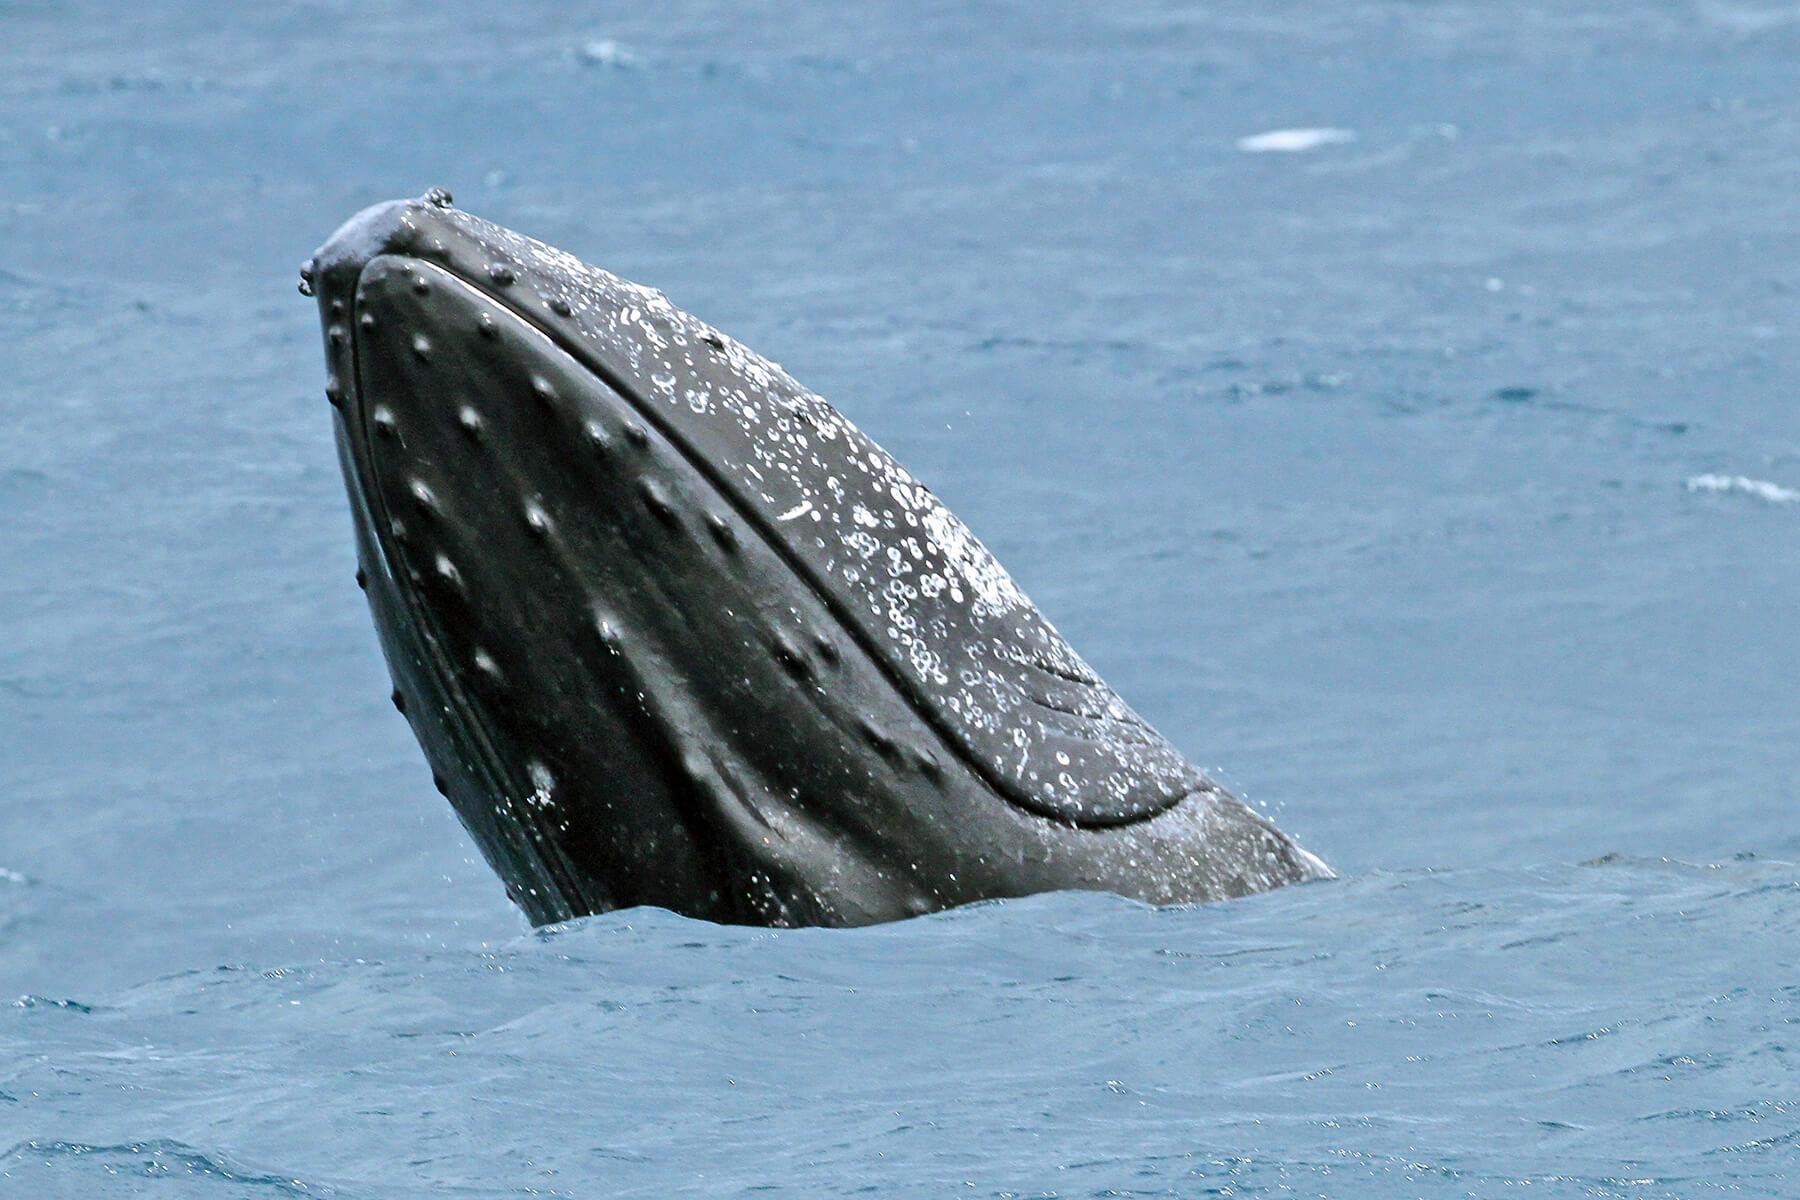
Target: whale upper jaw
671,631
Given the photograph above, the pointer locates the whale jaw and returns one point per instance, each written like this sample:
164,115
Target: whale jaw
643,674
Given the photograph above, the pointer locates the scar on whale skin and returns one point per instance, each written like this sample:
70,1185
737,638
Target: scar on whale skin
671,630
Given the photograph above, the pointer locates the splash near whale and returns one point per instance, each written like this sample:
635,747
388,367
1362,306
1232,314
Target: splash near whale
670,630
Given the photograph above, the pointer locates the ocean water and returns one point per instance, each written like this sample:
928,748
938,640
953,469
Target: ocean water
1398,402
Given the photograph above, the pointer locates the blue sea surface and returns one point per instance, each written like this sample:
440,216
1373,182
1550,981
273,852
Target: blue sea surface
1430,470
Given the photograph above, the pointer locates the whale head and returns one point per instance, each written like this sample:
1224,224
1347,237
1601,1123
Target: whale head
671,630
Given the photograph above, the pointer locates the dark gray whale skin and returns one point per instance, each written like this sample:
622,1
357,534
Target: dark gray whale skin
671,631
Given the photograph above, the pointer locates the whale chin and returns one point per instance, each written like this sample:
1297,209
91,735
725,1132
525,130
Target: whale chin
670,630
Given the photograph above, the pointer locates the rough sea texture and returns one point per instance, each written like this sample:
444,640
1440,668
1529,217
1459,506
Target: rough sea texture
1397,403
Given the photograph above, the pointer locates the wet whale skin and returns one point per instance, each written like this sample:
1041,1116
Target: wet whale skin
670,630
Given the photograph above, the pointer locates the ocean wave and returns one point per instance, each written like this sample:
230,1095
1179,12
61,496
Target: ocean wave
1762,489
162,1159
1304,1039
1293,141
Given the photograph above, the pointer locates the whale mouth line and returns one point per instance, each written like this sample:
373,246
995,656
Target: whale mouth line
622,387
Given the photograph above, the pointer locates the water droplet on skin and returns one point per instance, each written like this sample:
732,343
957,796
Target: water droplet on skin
421,347
470,420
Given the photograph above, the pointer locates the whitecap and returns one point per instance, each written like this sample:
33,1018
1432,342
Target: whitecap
605,52
1762,489
1289,141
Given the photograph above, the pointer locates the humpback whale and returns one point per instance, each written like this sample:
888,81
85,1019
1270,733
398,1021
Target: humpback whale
671,630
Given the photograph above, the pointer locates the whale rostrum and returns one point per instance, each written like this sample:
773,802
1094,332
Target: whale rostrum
672,631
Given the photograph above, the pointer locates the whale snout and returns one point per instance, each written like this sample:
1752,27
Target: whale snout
475,451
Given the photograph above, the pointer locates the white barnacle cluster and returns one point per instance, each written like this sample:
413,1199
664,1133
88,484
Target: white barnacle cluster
908,572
